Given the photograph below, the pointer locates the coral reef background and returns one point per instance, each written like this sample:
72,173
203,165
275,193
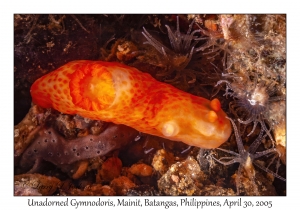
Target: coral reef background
240,59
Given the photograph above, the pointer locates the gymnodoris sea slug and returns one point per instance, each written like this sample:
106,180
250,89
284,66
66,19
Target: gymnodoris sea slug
121,94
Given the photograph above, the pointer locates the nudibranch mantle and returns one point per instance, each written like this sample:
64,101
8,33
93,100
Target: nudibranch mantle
122,94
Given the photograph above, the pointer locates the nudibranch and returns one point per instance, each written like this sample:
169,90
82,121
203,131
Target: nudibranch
122,94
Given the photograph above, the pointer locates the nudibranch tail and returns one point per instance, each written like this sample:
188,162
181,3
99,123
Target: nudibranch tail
121,94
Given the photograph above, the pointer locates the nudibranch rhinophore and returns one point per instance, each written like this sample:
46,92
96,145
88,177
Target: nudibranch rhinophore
122,94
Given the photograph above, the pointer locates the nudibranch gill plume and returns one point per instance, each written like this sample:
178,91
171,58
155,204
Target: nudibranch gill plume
122,94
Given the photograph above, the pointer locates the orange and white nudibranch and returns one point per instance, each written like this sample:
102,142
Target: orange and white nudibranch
124,95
